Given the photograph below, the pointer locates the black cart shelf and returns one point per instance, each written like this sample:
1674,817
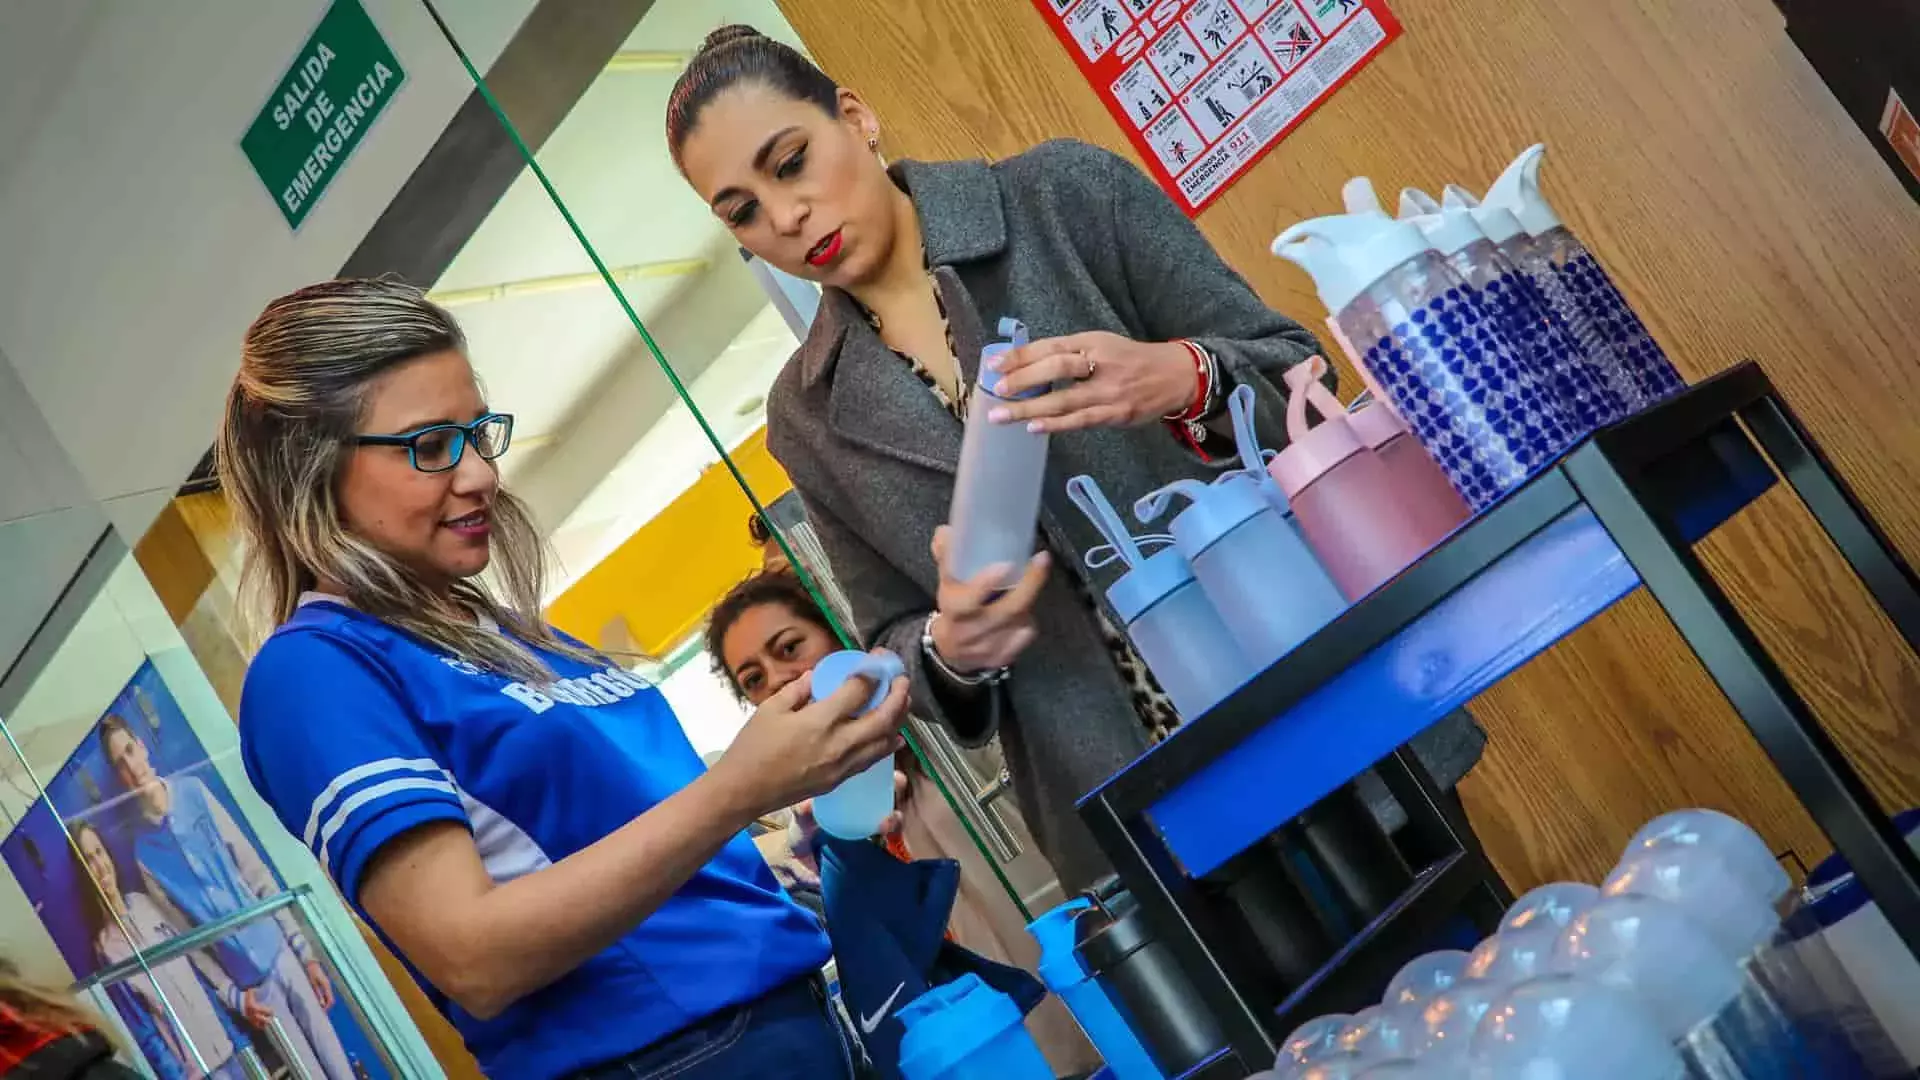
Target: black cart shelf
1620,511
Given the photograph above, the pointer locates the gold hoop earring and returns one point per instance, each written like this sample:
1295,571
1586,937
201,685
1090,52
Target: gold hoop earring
873,143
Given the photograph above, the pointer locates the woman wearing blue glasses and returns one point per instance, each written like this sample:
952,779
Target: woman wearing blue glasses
523,821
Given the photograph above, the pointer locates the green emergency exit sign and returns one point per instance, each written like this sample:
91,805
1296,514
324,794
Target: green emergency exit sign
321,109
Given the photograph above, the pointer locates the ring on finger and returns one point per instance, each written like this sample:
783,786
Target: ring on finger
1092,366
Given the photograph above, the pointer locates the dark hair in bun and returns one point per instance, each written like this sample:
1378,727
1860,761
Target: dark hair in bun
729,34
738,54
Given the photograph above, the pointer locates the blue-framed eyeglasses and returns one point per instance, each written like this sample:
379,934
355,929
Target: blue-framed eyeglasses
439,447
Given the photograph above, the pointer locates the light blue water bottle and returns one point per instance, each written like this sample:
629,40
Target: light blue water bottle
1263,580
1167,615
1518,190
856,809
1063,973
995,512
966,1030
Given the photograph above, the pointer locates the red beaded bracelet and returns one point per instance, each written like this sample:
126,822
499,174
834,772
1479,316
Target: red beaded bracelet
1203,386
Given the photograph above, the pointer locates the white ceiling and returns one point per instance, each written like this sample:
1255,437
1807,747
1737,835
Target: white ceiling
40,42
602,443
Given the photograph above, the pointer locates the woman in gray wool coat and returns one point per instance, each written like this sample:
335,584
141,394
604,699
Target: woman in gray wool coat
1136,320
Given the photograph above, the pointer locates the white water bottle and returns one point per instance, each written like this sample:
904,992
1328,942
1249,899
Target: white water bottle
1586,282
996,496
1446,364
1510,293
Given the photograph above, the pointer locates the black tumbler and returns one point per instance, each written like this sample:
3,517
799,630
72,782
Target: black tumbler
1145,982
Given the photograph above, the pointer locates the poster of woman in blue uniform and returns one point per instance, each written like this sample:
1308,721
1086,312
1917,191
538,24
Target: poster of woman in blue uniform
139,841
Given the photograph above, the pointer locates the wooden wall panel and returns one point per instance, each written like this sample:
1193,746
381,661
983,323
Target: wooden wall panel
1744,215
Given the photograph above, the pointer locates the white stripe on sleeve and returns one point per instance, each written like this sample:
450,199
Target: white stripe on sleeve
338,819
356,774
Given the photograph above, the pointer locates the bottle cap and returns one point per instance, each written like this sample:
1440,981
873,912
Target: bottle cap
1449,231
1359,197
1214,512
989,380
1148,579
1059,968
1359,249
833,671
1497,222
1414,202
1518,190
1152,581
1312,451
1253,459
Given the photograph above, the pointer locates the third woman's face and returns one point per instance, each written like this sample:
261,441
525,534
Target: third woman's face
769,646
797,186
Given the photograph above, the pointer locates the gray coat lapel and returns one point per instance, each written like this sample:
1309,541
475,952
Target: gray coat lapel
878,403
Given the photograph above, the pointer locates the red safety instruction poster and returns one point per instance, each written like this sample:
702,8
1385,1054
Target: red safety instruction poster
1205,87
1897,123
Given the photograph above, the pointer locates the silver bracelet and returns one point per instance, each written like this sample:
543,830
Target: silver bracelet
993,677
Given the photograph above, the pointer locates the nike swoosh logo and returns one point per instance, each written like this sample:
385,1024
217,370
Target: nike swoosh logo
871,1024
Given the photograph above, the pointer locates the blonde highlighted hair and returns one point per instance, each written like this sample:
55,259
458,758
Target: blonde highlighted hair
46,1008
291,418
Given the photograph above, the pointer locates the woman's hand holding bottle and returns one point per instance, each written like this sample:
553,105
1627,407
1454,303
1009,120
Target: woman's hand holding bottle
1095,380
984,624
793,748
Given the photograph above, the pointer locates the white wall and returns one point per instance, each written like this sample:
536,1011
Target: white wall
138,241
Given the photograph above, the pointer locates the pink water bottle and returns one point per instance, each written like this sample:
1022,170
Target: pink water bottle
1364,521
1426,496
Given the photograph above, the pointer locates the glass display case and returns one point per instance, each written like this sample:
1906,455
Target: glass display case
139,864
158,999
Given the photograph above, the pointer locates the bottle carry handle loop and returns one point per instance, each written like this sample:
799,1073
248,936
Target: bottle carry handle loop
1304,387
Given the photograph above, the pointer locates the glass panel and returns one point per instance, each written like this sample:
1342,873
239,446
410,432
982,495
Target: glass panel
643,420
312,1028
129,825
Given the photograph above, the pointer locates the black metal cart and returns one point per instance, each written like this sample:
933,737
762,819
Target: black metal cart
1620,511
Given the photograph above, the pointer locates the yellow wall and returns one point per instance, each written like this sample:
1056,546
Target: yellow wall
657,587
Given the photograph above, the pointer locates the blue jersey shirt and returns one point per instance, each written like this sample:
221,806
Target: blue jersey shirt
356,732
